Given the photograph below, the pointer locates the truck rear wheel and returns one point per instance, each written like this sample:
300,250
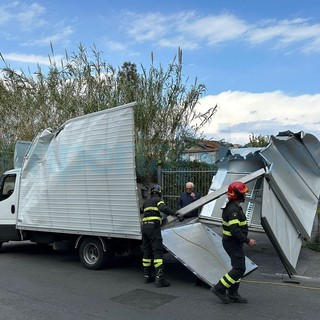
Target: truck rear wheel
92,255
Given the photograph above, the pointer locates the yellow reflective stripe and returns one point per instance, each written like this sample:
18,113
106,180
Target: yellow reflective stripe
227,285
227,233
146,262
232,281
225,223
235,221
150,209
152,218
160,202
157,262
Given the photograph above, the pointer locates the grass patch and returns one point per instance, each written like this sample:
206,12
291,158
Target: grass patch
314,244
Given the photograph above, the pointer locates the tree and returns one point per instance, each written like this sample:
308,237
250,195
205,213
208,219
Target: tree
258,141
165,114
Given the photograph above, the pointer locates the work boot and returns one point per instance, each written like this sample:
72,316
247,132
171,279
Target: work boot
148,278
220,294
235,297
161,281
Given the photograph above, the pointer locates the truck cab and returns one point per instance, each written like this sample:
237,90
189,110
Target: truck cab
8,205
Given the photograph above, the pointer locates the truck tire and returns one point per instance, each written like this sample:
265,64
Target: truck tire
92,255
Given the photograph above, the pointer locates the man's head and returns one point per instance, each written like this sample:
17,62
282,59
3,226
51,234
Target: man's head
237,191
189,187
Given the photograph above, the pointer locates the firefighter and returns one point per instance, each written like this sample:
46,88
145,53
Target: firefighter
151,236
235,234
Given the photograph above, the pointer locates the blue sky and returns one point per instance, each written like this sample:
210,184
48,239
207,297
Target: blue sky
259,59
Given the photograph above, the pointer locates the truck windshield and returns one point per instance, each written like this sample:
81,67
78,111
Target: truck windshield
7,186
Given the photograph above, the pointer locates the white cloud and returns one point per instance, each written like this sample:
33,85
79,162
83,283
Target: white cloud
115,45
58,37
29,24
241,114
198,31
27,16
214,28
31,16
28,58
148,27
287,32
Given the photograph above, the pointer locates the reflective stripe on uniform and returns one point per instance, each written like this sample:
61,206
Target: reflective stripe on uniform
152,218
226,225
146,262
150,209
157,262
227,281
235,221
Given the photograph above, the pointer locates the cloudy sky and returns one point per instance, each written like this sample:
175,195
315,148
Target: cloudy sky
259,60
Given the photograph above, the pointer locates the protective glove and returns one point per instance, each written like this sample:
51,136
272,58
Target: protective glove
180,217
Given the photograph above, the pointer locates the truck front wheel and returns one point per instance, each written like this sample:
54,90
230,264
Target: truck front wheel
91,254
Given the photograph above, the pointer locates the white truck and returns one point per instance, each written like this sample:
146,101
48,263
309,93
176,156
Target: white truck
77,185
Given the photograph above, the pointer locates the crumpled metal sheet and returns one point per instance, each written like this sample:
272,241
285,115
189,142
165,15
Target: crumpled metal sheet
290,193
294,176
284,202
233,168
280,230
200,249
20,150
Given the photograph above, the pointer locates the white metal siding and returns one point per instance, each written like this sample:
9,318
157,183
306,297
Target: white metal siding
83,179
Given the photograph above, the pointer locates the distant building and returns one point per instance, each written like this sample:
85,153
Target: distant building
206,151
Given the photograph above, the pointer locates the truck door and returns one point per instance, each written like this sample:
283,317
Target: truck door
8,207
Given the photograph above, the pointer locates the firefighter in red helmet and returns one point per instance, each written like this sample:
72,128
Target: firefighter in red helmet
235,234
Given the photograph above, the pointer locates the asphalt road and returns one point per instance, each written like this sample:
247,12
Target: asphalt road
38,283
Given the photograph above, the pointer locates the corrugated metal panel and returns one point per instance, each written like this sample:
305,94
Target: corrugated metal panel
83,178
295,178
232,170
200,249
280,230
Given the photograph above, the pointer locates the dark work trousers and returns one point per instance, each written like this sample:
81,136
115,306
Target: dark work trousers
152,241
234,249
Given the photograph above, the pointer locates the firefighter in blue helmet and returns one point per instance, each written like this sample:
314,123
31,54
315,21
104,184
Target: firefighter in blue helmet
151,236
235,234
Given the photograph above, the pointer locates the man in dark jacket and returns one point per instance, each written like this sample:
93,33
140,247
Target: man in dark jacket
188,197
235,234
152,238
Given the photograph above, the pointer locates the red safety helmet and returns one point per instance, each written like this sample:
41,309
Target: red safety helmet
237,190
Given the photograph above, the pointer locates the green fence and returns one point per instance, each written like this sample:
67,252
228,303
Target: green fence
173,183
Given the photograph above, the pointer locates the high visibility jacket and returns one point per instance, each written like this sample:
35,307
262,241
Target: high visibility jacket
153,207
234,222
